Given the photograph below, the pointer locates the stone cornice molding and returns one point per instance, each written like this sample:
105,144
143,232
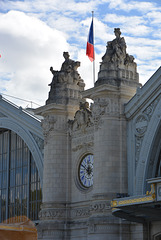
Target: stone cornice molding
56,109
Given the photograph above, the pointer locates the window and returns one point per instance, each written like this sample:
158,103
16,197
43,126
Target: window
20,189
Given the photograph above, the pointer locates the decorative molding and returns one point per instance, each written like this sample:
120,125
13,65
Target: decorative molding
52,124
138,143
104,106
141,125
99,108
150,109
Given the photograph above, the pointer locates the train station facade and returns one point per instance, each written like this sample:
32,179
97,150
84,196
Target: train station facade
86,171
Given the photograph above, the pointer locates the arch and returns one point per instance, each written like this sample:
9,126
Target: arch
28,139
149,150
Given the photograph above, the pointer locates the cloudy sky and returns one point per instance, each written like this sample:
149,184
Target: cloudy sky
34,34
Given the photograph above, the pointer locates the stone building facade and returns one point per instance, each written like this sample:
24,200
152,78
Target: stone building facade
93,161
85,151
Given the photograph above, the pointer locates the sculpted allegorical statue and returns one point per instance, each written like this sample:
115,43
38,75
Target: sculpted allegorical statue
68,71
116,50
66,83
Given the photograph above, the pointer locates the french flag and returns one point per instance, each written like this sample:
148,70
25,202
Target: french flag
90,44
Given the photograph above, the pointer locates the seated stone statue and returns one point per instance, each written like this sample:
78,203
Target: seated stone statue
68,72
116,49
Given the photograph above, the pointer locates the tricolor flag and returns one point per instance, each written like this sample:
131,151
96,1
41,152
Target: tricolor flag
90,44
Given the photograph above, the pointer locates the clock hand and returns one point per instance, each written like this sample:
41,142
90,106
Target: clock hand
84,167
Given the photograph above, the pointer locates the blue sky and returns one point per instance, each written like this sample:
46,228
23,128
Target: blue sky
34,34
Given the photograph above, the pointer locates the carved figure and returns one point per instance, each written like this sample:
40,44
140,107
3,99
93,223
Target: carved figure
116,49
67,65
83,117
68,72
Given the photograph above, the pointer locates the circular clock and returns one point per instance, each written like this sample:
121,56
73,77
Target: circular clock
86,171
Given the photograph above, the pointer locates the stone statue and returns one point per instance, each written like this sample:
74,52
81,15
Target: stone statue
116,50
68,71
117,66
117,47
66,85
67,65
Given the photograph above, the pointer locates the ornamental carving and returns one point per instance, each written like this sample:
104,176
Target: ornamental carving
83,119
150,109
104,106
138,143
53,123
141,124
99,108
48,124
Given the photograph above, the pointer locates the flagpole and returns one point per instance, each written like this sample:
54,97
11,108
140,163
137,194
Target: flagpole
93,50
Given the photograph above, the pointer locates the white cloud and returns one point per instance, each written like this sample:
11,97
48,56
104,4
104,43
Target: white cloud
135,25
140,6
65,6
28,48
154,17
122,19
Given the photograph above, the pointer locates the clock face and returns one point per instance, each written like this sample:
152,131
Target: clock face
86,171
